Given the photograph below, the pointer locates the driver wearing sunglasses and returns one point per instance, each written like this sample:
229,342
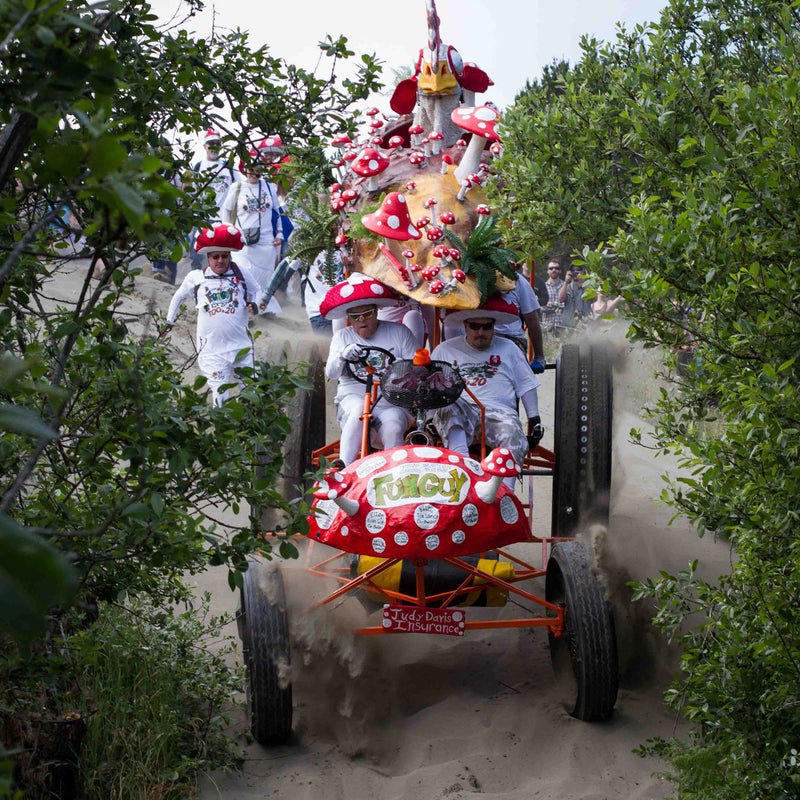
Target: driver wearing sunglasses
498,374
352,349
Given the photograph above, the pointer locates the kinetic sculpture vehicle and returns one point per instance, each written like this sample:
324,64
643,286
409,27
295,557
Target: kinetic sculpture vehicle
424,535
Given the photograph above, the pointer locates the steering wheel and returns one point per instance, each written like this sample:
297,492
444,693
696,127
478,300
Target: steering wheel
376,360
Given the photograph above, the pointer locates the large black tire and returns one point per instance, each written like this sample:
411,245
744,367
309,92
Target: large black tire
264,631
585,657
306,411
583,413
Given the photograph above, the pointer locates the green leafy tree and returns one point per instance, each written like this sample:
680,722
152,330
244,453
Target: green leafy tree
116,471
669,164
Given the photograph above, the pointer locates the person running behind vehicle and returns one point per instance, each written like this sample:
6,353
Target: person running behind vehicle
498,374
222,292
248,205
217,173
358,299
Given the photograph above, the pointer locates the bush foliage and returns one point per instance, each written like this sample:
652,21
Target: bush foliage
668,162
116,472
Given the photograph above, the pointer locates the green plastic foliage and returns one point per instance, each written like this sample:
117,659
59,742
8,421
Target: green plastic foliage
668,162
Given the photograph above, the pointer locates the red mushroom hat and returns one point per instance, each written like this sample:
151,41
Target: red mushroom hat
219,239
211,136
357,290
493,308
392,220
271,148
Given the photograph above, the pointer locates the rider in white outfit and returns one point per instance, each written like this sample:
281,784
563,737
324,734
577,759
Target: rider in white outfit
222,292
497,373
358,299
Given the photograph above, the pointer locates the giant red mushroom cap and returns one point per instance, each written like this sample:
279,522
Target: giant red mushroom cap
392,220
357,290
219,239
369,163
481,122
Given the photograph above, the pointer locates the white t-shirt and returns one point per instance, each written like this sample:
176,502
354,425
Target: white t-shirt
219,175
222,313
391,336
497,376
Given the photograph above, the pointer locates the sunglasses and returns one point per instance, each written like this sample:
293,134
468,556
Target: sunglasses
363,315
480,326
550,269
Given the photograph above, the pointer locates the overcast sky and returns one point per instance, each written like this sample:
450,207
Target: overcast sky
511,40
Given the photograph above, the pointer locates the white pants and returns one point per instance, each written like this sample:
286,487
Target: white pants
387,429
220,369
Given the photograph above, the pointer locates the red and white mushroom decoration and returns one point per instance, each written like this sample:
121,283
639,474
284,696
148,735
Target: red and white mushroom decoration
473,179
481,122
416,132
500,464
417,502
416,158
392,220
437,286
369,163
436,138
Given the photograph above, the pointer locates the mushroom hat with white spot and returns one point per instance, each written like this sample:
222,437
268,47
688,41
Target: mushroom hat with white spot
392,220
357,290
219,239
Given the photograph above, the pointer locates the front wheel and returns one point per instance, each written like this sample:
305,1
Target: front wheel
585,657
264,630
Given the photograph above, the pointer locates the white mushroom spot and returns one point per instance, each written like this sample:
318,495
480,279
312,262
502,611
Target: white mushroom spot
375,521
511,464
373,164
411,230
427,452
370,465
399,455
337,476
378,545
426,516
344,530
470,514
326,511
401,538
458,537
377,288
231,230
387,623
393,221
347,290
508,510
356,279
453,459
485,114
473,465
401,198
432,541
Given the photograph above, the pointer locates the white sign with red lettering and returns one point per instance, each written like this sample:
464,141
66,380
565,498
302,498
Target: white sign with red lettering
414,619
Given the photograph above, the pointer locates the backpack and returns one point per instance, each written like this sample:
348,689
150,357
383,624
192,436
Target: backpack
236,270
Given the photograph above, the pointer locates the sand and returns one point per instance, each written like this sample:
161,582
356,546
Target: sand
429,718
